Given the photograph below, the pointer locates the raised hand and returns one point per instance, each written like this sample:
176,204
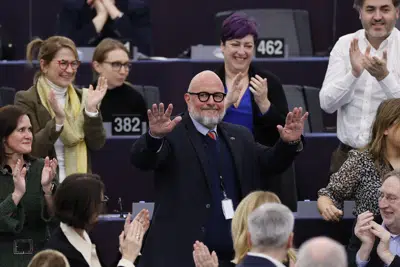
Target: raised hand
19,174
99,6
57,109
202,256
356,58
94,97
48,172
160,123
143,217
294,125
383,246
259,88
234,93
362,228
375,66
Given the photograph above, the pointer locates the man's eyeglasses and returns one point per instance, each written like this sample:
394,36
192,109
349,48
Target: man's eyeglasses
390,198
204,96
116,66
64,64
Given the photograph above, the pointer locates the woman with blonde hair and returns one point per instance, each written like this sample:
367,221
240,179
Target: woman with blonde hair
66,121
240,231
49,258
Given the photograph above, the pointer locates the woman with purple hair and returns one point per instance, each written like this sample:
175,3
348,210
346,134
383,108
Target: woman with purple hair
261,104
255,99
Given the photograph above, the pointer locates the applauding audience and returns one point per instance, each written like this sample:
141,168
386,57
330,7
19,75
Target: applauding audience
66,121
26,188
78,204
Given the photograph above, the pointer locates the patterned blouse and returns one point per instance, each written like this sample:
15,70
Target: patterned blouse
358,179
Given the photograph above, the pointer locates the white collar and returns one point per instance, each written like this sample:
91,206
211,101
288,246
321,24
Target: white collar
84,246
58,90
260,255
201,128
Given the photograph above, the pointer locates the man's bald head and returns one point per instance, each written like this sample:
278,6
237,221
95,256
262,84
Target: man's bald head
321,252
206,111
206,79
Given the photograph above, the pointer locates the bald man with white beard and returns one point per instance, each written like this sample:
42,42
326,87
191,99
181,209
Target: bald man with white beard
203,167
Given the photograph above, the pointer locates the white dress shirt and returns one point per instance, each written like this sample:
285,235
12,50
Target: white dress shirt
357,99
86,248
260,255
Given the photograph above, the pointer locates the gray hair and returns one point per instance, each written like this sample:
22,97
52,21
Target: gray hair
270,226
321,252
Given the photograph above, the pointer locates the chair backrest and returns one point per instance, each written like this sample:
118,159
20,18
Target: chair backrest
295,98
311,95
294,27
7,95
151,94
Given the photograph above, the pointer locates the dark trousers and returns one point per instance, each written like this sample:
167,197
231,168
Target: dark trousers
339,156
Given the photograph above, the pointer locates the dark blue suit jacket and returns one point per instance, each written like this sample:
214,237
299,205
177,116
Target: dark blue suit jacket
253,261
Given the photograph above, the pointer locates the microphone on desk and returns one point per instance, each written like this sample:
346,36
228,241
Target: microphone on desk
121,211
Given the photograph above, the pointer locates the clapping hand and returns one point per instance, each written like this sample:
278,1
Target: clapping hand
131,238
57,109
94,97
160,123
19,174
259,88
383,246
48,172
375,66
294,125
202,256
234,93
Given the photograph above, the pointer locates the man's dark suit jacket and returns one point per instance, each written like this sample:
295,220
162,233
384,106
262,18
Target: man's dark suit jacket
253,261
59,242
182,184
265,132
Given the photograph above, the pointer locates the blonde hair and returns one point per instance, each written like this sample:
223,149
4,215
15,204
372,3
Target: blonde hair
387,115
240,226
48,50
49,258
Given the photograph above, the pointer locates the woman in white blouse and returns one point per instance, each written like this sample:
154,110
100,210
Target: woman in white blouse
78,203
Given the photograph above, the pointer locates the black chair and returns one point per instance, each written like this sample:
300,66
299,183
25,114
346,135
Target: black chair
151,94
294,27
295,98
311,95
7,95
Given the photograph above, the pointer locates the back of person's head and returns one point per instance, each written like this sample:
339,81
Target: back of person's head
78,200
239,220
47,49
237,26
49,258
321,252
271,227
9,117
387,116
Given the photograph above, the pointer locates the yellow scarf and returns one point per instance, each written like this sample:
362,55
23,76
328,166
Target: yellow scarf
72,135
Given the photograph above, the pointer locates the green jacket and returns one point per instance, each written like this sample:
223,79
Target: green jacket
28,220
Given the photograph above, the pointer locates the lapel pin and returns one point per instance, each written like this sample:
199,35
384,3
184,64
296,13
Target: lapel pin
232,138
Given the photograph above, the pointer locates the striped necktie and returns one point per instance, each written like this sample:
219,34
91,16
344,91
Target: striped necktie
212,135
